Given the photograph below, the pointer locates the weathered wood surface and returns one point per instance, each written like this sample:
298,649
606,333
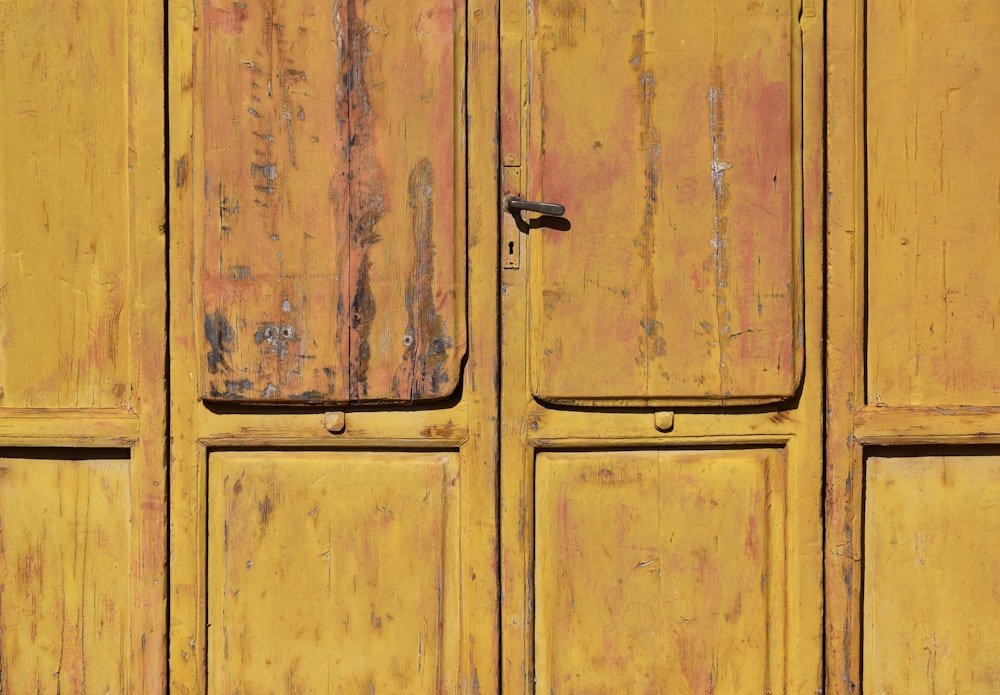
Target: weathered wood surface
933,205
659,572
64,209
931,573
82,348
679,278
912,305
65,543
332,252
364,139
332,572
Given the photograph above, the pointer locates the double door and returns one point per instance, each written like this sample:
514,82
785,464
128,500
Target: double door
424,441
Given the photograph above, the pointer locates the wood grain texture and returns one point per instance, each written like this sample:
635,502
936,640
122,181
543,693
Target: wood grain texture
845,344
332,572
66,609
407,55
933,202
658,572
66,158
911,307
677,280
332,241
931,587
83,346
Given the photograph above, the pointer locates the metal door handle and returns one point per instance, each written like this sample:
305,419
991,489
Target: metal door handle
514,205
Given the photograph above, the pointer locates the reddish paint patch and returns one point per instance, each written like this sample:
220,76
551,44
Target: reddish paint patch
228,20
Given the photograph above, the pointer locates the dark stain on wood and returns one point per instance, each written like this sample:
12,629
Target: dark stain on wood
273,339
220,337
425,358
264,509
238,385
181,176
366,182
362,313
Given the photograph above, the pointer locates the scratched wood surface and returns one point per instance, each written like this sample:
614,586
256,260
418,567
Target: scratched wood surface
332,237
332,572
933,203
65,599
912,304
82,348
931,610
656,572
64,211
678,277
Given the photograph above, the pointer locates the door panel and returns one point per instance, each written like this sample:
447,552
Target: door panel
82,348
331,254
332,570
64,169
933,205
649,564
66,539
670,133
931,567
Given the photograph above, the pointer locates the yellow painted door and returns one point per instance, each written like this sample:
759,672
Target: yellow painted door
661,465
373,491
83,474
333,342
913,468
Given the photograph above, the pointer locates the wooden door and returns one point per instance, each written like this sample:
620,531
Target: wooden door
82,347
661,467
333,342
914,385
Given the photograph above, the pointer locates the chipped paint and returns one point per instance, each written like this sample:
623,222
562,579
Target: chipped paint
720,225
680,179
306,209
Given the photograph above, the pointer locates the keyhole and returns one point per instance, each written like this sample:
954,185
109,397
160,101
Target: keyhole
510,248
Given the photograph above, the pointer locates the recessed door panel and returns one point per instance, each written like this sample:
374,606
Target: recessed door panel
66,612
332,571
659,571
931,563
331,224
668,131
67,151
932,202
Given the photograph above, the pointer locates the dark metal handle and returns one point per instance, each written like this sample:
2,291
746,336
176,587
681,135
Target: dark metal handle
513,204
